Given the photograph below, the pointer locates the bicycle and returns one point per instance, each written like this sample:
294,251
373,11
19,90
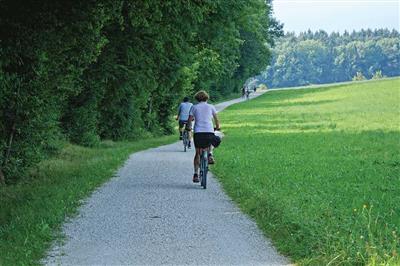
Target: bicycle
247,94
185,138
204,165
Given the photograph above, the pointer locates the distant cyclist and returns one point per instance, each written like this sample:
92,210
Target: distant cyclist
183,116
247,94
203,114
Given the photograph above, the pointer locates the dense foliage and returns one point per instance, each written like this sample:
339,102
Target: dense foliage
115,69
318,57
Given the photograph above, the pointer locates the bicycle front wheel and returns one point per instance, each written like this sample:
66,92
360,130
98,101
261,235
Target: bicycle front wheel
204,169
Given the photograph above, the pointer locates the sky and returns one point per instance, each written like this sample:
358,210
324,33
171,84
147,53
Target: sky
337,15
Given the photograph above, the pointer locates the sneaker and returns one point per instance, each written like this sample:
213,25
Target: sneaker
196,178
211,159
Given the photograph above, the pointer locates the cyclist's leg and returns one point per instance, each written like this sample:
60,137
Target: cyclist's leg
210,155
189,139
210,148
189,133
181,125
196,164
196,161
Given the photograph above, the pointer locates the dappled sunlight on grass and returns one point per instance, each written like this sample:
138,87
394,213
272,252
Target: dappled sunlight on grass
319,170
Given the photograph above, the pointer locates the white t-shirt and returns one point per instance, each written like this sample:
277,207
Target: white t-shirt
203,114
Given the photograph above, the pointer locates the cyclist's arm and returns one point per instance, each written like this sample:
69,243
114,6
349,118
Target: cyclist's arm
216,120
191,115
179,112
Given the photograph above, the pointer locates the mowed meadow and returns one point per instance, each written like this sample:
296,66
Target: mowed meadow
319,170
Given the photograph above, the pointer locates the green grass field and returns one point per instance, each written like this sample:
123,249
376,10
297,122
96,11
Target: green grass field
32,212
319,170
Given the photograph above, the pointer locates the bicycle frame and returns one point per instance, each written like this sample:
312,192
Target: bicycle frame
185,139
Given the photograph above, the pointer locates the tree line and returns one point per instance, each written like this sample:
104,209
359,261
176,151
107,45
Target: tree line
83,71
319,57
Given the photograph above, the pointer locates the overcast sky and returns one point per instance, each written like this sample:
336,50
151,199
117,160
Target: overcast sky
337,15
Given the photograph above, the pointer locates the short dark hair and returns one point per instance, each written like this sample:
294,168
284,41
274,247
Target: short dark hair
186,99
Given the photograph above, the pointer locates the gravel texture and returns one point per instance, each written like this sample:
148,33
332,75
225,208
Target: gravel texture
151,213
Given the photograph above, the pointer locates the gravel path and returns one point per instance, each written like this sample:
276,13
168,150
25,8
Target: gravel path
152,214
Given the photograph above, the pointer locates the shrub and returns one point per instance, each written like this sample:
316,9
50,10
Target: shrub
378,75
358,77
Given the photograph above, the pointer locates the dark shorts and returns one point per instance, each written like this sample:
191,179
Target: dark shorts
203,139
182,123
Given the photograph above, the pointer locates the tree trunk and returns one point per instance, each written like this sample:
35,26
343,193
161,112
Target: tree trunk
150,107
7,155
2,179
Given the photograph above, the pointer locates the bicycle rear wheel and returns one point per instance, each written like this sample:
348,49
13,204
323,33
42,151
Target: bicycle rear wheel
185,140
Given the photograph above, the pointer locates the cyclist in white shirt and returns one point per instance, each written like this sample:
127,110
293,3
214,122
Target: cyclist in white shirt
183,117
203,114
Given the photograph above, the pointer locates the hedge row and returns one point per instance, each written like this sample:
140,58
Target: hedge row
115,69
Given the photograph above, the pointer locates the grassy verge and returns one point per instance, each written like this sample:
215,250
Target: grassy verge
319,170
31,212
226,98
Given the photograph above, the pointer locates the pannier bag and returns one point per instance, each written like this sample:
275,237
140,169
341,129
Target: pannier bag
216,141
